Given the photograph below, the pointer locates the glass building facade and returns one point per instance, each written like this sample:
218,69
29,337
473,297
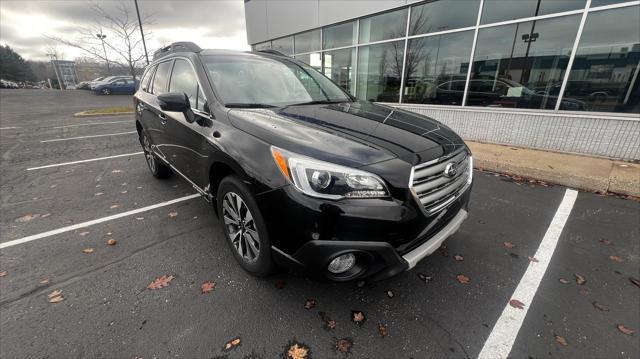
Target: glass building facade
568,55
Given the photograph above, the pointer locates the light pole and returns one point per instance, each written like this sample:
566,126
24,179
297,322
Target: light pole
144,44
102,37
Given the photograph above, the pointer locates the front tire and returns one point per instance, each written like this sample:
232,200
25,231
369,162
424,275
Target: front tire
158,169
244,227
106,92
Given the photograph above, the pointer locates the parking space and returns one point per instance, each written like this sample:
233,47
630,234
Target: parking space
427,312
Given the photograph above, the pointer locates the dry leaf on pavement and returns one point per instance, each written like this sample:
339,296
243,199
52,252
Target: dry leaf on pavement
329,324
27,217
160,282
114,206
516,304
98,193
390,294
581,280
88,250
601,307
232,344
635,281
563,281
112,242
533,259
625,330
561,340
207,287
116,171
55,293
508,245
84,233
55,296
344,345
616,259
382,329
310,304
458,258
297,351
358,317
173,214
44,281
3,273
463,279
606,242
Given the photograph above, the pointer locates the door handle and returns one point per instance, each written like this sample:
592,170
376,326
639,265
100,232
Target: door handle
163,118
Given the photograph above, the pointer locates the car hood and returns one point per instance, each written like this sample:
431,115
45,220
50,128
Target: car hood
354,134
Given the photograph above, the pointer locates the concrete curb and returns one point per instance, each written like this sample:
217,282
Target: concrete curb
576,171
85,114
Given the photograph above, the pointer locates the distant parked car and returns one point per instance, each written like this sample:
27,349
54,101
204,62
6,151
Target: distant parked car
103,80
8,84
84,85
117,86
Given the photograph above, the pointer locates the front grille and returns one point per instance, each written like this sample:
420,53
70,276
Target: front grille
434,189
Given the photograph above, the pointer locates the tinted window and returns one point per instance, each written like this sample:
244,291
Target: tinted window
379,71
284,45
339,35
307,41
338,65
160,79
147,78
530,58
435,61
604,74
183,80
390,25
443,15
502,10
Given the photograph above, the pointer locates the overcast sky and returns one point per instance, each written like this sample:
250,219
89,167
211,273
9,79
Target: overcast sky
210,24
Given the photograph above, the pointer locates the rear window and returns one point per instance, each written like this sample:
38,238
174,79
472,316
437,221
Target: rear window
146,79
161,77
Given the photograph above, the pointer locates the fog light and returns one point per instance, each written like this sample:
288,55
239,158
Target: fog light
342,263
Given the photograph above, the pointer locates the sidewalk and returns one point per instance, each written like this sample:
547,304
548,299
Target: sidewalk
576,171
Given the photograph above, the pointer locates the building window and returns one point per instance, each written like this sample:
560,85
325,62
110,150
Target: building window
503,10
390,25
436,68
307,41
339,35
262,46
284,45
338,65
604,75
313,59
443,15
379,71
522,65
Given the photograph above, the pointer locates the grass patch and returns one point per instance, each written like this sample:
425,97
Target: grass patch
105,110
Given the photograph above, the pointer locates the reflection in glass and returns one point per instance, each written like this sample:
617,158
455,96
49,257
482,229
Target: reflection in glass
595,3
605,71
503,10
443,15
284,45
390,25
313,59
339,65
262,46
307,41
436,68
521,65
339,35
379,71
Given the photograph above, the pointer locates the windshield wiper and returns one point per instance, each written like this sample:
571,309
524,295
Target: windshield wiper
320,102
248,105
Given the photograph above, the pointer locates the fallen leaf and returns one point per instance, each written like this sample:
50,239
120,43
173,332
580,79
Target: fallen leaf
358,317
616,259
458,258
606,242
112,242
561,340
84,233
98,193
580,279
27,217
424,277
344,345
44,281
207,287
55,293
116,171
516,304
109,233
173,214
382,329
625,330
45,215
280,284
635,281
329,324
533,259
601,307
297,351
123,192
563,281
310,304
584,291
232,344
114,206
3,273
88,250
57,299
463,279
160,282
508,245
390,294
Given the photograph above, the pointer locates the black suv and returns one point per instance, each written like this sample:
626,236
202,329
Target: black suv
301,173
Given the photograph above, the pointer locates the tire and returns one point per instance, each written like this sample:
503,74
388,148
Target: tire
106,92
158,169
251,233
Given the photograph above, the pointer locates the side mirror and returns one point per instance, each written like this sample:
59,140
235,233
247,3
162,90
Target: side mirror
174,101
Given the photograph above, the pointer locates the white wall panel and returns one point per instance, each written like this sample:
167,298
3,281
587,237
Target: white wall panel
288,17
332,11
255,14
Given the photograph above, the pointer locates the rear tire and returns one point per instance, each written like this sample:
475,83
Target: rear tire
157,168
106,92
244,227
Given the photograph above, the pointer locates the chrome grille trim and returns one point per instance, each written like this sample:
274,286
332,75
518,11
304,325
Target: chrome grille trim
435,191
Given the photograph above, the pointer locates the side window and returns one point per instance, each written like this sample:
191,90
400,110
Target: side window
119,82
147,79
183,80
160,79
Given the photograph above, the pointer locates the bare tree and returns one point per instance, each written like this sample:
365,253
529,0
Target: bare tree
123,41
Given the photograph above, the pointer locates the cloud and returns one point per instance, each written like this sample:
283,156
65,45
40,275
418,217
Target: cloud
210,24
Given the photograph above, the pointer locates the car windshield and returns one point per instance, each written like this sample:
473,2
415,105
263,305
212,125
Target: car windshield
259,82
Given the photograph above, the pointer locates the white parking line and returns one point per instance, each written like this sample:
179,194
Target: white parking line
83,161
92,124
506,329
92,136
93,222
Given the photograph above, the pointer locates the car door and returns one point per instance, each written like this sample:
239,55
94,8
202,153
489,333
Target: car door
157,118
117,86
186,149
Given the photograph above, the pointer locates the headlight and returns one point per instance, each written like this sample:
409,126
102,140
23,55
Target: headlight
327,180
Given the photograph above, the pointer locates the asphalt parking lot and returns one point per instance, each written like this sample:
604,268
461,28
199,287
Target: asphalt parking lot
507,242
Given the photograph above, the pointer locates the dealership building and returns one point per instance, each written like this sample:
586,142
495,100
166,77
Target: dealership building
559,75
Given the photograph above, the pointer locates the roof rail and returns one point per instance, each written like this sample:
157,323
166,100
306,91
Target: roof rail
273,52
183,46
